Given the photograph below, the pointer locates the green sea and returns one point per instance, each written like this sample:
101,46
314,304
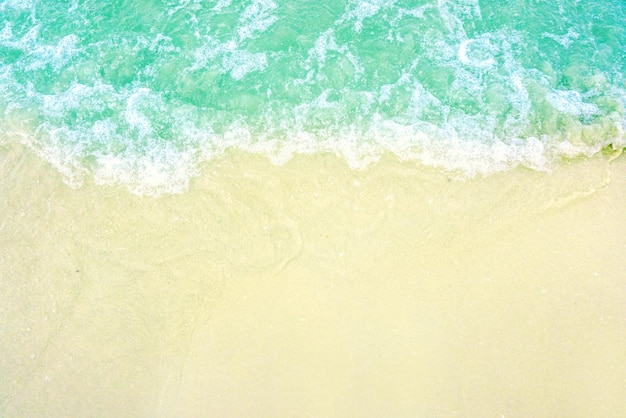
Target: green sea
140,93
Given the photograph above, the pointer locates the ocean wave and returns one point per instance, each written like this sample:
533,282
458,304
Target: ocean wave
141,96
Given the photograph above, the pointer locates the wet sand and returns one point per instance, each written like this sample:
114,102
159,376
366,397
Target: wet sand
314,290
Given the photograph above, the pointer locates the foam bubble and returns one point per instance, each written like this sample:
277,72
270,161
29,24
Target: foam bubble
134,114
41,55
566,40
257,17
17,4
456,13
237,62
324,44
160,170
77,97
155,166
6,34
480,62
222,4
571,102
362,11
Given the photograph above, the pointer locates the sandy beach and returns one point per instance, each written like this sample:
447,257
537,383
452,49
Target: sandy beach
310,289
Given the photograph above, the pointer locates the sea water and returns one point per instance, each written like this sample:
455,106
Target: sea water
139,93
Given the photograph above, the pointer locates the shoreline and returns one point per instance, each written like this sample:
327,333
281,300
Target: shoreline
313,289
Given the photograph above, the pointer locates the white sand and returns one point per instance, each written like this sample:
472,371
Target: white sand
313,290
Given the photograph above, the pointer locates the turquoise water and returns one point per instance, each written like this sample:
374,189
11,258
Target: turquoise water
140,92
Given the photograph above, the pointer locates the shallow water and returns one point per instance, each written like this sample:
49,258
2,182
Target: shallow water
312,289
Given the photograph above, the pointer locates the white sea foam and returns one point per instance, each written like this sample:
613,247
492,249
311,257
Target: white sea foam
317,55
231,58
257,17
61,53
76,97
455,13
125,151
158,43
134,115
41,55
364,10
239,63
6,34
153,166
221,4
571,102
152,173
236,62
566,40
17,4
480,62
421,99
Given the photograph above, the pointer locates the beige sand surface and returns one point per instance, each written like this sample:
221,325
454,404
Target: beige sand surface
314,290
